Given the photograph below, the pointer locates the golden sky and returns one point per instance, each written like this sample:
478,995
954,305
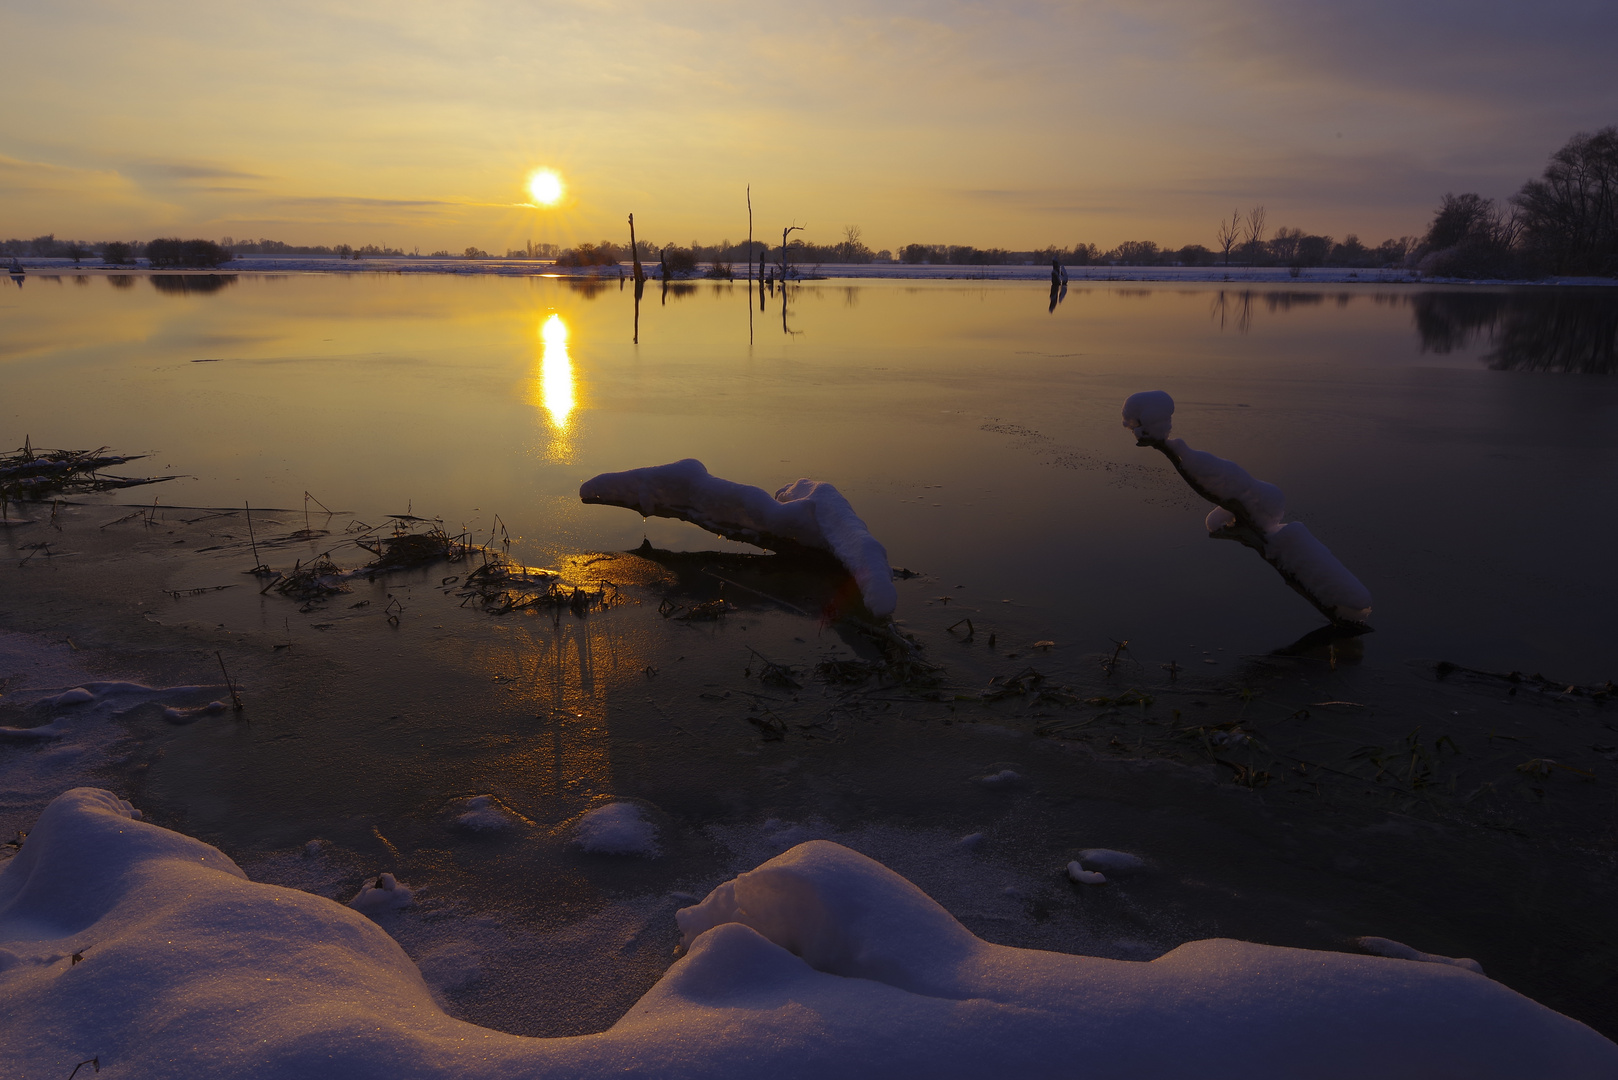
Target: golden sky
994,124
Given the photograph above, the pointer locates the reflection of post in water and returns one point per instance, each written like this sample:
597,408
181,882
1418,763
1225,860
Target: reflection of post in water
551,665
1566,330
784,328
640,286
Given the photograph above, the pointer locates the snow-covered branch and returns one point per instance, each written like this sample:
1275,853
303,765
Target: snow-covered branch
1249,511
806,514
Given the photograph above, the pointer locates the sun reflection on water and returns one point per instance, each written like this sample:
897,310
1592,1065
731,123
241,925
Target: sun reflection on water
556,390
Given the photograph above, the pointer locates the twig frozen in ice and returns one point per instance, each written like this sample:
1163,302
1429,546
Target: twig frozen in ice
1249,511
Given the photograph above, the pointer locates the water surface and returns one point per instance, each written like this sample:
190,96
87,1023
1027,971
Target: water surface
1457,450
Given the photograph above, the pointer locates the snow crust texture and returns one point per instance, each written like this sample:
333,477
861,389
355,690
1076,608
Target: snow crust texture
818,963
617,828
807,513
1243,501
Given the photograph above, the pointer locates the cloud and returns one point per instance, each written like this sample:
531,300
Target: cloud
185,170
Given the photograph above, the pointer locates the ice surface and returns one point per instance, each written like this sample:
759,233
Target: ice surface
818,963
616,829
51,696
807,513
1381,946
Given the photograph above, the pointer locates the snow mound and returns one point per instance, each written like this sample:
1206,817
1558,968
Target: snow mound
1149,414
1229,483
806,514
1085,877
819,963
1107,859
1381,946
616,829
484,814
385,895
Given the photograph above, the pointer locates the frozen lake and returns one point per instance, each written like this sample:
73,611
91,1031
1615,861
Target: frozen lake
975,431
1457,450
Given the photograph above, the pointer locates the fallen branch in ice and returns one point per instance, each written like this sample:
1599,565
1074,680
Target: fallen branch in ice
807,515
1249,511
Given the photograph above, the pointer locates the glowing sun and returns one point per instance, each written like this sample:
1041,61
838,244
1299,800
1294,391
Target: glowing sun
545,187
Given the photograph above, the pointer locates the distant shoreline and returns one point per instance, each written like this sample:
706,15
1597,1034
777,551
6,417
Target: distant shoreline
1235,275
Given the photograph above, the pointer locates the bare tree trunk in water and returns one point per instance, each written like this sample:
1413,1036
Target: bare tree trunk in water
784,232
634,252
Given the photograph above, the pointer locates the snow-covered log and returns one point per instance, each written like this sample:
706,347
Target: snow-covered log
153,953
806,514
1249,511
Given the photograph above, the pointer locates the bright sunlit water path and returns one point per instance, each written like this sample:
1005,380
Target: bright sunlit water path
975,431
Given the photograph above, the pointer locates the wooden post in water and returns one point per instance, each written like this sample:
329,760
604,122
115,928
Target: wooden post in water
635,251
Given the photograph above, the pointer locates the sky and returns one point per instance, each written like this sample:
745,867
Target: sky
1010,124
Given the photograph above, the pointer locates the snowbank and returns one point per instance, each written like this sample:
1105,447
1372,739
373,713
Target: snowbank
1250,511
616,829
819,963
805,514
484,813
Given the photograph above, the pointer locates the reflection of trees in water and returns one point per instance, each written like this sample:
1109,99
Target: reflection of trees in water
1234,307
121,281
1553,330
590,287
191,283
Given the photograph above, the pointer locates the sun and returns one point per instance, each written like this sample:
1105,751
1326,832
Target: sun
545,187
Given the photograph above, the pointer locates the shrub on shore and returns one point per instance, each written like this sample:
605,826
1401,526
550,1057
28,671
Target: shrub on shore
176,253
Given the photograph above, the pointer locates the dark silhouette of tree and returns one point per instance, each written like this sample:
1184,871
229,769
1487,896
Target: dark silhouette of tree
1570,214
1229,232
1472,237
176,253
1253,229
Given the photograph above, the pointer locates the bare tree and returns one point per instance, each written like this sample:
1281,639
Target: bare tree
1253,227
1229,232
1570,215
784,232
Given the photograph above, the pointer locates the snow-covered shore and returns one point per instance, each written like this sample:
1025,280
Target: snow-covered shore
1236,275
139,947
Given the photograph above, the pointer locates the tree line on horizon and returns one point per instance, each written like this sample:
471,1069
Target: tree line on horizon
1564,222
